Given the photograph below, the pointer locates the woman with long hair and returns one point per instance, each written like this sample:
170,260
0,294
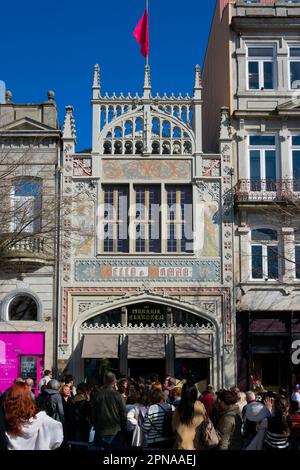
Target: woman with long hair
277,431
187,419
26,427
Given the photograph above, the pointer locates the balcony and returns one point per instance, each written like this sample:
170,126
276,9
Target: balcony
31,249
269,190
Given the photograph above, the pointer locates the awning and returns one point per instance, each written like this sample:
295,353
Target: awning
146,346
193,346
100,346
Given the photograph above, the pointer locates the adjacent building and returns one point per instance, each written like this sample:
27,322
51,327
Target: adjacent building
30,142
252,66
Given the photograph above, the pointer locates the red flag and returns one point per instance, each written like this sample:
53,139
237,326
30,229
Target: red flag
141,34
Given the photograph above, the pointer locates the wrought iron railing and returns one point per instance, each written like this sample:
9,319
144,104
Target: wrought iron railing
267,190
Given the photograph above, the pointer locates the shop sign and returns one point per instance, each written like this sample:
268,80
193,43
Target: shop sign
145,314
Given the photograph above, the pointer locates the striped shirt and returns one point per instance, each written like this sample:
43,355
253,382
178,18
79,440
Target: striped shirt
153,422
275,438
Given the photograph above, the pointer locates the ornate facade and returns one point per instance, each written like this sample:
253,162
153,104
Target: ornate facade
146,263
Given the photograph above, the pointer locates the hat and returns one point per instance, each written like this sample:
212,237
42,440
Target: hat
297,386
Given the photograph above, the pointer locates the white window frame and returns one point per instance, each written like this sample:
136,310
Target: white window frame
297,245
261,61
262,151
294,148
34,226
264,246
292,59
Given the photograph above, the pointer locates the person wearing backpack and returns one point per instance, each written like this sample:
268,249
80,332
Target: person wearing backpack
230,422
157,424
187,420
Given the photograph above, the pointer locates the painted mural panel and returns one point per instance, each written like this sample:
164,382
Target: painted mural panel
83,223
151,169
207,220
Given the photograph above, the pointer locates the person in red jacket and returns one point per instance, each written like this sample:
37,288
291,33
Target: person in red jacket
208,398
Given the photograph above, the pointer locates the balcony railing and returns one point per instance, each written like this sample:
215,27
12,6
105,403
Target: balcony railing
32,248
258,190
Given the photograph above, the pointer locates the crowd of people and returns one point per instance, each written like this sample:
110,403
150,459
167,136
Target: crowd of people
145,413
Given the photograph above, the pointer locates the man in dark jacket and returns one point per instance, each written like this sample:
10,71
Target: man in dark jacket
109,415
53,401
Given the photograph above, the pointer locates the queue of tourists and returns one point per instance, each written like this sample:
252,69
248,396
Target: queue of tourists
145,413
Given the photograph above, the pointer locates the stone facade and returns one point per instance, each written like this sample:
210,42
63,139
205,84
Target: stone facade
29,157
140,143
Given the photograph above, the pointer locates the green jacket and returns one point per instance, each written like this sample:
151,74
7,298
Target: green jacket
109,413
229,427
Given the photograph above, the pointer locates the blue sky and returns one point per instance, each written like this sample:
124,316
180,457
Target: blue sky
53,45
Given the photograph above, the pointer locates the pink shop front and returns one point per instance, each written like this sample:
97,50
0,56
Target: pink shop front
21,355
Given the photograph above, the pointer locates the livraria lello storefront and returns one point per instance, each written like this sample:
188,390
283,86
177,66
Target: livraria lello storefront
146,272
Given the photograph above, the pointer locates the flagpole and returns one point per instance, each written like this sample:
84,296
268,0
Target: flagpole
147,10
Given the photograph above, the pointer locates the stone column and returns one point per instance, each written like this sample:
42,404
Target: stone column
288,266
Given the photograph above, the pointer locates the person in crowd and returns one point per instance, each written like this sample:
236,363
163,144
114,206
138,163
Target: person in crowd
296,394
135,418
70,381
230,422
168,387
187,420
254,413
242,402
123,388
30,384
41,398
157,385
109,415
47,376
26,427
208,398
294,424
69,425
82,409
3,440
176,396
53,401
153,424
277,431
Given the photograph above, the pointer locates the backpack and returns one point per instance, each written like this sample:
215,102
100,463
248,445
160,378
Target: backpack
210,436
167,430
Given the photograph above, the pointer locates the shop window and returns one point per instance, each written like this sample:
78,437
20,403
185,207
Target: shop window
261,67
264,254
22,307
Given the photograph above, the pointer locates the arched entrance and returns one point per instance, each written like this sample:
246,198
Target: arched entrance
149,337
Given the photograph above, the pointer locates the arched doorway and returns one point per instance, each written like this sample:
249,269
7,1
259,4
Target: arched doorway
146,338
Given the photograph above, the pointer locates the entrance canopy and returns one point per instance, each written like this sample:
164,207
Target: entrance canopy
193,346
98,346
146,346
